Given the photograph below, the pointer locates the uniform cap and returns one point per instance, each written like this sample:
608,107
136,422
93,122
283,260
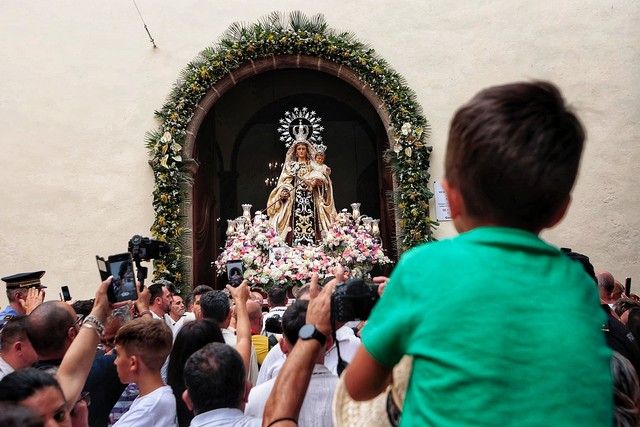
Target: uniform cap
24,280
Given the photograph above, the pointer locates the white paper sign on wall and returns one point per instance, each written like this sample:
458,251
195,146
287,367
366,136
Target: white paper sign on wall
443,213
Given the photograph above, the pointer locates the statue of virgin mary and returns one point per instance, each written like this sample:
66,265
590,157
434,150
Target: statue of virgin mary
301,205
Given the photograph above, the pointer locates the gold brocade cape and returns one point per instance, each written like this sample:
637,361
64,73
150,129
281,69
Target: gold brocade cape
281,213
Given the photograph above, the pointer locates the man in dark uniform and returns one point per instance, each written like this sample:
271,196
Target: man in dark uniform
24,292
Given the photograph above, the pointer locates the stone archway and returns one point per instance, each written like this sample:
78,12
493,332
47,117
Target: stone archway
279,42
202,242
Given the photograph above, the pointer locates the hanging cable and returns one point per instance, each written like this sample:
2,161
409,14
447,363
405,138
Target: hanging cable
145,24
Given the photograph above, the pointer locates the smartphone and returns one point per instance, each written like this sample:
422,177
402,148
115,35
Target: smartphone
235,272
66,295
627,286
123,284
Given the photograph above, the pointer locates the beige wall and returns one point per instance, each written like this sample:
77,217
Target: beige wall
79,83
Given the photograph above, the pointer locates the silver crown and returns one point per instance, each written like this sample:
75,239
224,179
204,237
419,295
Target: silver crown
300,132
298,125
321,148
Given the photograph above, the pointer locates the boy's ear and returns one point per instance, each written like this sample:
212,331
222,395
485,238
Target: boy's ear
559,214
187,399
134,364
456,203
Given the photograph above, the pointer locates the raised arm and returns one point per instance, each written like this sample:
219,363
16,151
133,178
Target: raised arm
243,326
78,359
283,406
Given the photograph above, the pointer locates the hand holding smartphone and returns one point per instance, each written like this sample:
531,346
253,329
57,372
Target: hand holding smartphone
235,272
123,283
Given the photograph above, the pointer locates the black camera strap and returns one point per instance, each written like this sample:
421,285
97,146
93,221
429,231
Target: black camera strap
342,364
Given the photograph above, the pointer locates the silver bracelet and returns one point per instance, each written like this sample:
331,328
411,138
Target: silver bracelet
93,322
92,327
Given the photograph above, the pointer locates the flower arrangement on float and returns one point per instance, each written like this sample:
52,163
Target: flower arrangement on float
352,242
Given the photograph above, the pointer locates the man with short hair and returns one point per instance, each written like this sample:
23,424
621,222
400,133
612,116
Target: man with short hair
16,351
178,315
215,305
316,407
195,300
216,387
24,292
277,299
161,299
259,342
51,328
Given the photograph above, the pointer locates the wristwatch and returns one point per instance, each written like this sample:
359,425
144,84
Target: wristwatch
309,332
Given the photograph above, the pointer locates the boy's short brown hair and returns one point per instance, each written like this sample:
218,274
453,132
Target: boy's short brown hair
513,153
149,339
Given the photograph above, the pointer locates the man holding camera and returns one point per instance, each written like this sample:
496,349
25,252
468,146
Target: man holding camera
316,407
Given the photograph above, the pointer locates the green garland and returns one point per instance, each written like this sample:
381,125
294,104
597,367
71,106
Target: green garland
408,156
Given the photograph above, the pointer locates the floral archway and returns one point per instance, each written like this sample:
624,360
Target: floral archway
408,155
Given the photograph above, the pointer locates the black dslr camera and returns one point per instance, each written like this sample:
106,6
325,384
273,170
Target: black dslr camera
353,300
145,249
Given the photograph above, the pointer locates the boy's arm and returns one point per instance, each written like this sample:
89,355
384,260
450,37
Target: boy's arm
365,377
243,326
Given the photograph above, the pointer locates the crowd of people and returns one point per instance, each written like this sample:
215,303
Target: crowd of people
492,327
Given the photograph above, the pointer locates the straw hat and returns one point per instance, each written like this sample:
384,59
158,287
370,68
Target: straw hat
348,413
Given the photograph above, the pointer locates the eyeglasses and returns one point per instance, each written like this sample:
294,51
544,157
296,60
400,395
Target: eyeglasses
79,318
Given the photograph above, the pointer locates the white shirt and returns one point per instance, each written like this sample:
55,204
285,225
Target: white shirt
349,345
231,339
316,407
176,325
271,364
5,368
225,417
157,408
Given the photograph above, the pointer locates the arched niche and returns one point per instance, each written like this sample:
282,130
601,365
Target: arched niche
224,127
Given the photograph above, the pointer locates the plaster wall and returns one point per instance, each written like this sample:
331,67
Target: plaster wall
80,81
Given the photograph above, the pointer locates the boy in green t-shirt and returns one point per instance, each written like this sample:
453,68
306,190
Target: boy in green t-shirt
504,329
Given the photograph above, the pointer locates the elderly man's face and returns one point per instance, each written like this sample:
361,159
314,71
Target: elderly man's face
177,306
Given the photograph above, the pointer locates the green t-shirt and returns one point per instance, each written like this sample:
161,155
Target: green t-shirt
504,329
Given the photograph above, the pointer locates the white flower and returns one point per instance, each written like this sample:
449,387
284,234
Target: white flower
166,137
405,129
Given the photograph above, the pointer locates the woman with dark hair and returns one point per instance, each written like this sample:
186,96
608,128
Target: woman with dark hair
191,338
14,415
38,391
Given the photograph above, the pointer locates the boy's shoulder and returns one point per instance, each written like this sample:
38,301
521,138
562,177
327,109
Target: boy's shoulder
158,397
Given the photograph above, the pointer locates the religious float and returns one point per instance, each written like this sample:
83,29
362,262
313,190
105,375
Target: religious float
300,232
